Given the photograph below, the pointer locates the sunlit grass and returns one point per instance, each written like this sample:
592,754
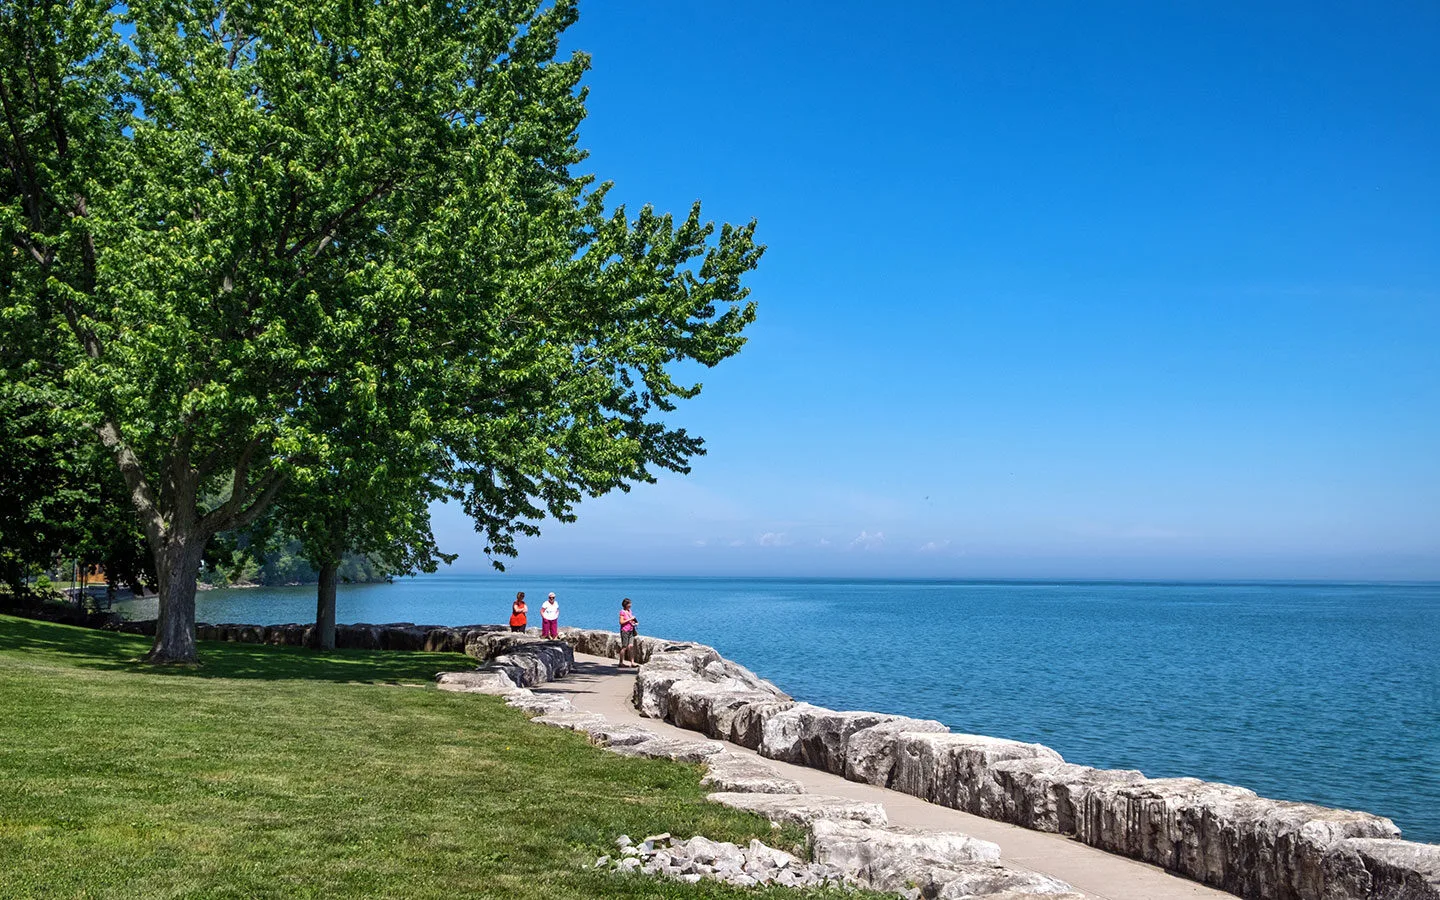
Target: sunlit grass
278,772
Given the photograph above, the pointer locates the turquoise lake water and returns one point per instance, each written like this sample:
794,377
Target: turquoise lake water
1322,692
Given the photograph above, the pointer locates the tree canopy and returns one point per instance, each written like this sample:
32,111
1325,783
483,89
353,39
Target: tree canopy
260,242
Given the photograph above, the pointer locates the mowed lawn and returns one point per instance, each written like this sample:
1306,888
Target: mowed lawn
279,772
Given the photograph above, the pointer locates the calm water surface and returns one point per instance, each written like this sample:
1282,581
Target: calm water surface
1322,692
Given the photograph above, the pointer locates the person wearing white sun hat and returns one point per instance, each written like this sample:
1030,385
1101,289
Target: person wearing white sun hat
550,618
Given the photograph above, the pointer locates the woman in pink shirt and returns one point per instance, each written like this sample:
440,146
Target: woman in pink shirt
628,624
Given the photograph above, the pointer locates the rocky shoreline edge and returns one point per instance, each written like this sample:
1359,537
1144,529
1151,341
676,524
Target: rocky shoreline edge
1221,835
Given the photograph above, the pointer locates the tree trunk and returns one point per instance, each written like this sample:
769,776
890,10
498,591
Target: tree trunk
325,605
177,562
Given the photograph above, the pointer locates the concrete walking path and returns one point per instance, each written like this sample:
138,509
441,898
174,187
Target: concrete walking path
597,685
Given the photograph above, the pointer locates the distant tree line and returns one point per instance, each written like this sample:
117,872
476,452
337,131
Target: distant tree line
284,562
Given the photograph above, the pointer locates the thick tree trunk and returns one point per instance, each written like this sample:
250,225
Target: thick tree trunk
325,605
177,562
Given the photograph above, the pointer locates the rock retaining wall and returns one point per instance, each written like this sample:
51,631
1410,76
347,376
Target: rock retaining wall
509,661
363,636
1218,834
850,840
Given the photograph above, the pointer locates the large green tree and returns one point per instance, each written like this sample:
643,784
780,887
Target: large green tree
375,501
60,498
245,228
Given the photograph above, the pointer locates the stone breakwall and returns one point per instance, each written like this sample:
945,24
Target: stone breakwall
1217,834
392,636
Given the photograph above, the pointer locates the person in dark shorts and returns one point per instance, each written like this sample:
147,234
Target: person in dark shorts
517,612
628,629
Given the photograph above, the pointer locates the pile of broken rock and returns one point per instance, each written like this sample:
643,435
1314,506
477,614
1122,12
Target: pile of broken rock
701,858
912,864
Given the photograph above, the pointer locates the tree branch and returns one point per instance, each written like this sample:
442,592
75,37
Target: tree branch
141,493
266,495
24,243
222,518
327,234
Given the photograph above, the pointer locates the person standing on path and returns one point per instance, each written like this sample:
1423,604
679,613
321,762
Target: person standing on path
628,626
550,618
517,612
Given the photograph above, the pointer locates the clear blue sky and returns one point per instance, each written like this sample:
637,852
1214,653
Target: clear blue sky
1140,290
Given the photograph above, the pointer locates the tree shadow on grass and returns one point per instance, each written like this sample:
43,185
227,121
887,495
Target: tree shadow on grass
92,649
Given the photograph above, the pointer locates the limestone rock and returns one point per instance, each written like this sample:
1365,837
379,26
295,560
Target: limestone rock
621,734
677,749
998,880
870,752
478,682
535,704
652,689
486,645
596,642
802,809
709,706
1383,869
722,669
989,879
736,772
537,662
575,720
592,641
853,847
1224,835
955,769
747,721
814,736
1045,795
693,686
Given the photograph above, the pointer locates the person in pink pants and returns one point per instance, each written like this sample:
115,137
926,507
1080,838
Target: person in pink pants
550,617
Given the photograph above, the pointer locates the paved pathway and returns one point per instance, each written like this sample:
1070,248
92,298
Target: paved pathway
598,686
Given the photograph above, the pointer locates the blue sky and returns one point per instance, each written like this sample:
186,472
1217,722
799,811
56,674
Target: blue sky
1053,289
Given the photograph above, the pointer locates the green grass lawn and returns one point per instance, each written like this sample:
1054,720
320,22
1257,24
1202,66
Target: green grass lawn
279,772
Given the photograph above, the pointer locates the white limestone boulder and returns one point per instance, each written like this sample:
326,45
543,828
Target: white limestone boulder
1224,835
708,706
677,749
915,875
870,752
617,734
854,846
483,681
537,663
723,669
574,720
747,721
1382,868
814,736
739,773
1045,794
655,678
534,704
955,769
802,809
592,641
1277,847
